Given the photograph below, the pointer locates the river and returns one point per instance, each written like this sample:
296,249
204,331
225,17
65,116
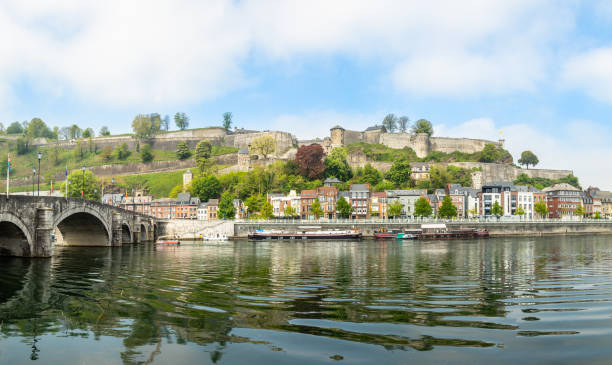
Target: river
501,300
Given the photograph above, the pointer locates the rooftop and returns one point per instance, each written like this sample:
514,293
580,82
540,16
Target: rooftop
360,187
561,187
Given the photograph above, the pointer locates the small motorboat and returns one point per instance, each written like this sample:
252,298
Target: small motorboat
167,242
406,236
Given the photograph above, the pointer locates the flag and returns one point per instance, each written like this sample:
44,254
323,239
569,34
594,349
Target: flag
9,164
66,171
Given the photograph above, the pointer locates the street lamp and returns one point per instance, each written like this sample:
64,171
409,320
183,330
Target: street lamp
39,156
33,177
68,194
83,187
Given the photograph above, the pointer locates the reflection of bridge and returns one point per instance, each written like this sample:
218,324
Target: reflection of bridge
27,223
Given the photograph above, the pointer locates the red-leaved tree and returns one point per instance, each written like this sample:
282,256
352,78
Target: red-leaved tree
310,161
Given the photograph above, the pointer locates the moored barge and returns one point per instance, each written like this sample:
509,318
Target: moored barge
305,235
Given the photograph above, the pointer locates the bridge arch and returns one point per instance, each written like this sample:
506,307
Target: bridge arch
15,238
144,232
83,227
126,233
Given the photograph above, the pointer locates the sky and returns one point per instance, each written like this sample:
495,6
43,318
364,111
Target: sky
538,73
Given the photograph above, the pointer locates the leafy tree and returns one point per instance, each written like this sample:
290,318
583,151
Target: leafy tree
541,208
88,133
181,120
490,153
37,128
22,146
75,131
337,166
106,153
422,208
146,153
344,208
202,154
459,175
165,123
370,175
91,189
496,209
570,179
206,187
290,212
104,131
395,209
390,122
309,158
447,209
519,211
14,128
182,151
121,151
422,126
316,210
597,215
579,211
264,145
399,173
176,191
142,126
156,122
2,128
79,150
402,124
226,206
254,204
439,177
266,211
528,158
227,120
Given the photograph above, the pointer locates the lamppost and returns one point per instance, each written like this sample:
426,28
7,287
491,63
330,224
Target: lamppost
95,191
83,187
133,201
68,194
39,156
33,177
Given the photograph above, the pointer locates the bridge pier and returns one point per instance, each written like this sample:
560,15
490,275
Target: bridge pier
117,239
136,229
42,245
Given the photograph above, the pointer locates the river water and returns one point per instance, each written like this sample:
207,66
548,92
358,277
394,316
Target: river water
527,300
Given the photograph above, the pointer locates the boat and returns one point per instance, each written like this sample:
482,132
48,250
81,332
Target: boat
167,242
384,233
440,231
406,236
215,238
305,235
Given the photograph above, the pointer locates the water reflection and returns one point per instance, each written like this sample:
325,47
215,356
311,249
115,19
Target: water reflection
460,301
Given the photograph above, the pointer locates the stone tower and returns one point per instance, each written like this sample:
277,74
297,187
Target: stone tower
421,144
187,177
337,136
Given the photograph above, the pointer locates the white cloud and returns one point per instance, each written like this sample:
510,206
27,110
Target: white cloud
569,149
120,53
590,72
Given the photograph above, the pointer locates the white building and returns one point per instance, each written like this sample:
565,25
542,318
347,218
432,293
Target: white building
203,212
279,202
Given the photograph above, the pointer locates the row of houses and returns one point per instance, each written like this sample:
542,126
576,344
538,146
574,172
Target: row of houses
561,200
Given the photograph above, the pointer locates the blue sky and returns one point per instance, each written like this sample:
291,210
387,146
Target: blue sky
539,71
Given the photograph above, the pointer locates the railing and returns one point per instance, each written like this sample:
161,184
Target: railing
488,220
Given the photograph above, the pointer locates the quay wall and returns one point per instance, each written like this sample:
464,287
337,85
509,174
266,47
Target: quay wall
544,228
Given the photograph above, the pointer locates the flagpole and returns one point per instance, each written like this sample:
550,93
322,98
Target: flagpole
8,176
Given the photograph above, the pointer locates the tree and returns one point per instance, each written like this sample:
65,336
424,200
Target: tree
75,131
337,166
142,126
37,129
266,211
390,122
490,153
422,126
226,206
570,179
439,177
370,175
165,123
541,208
227,120
422,208
264,145
181,120
290,212
402,124
447,209
528,158
91,189
104,131
309,159
79,150
316,210
2,128
519,211
597,215
344,208
579,211
395,209
182,151
399,173
176,191
121,151
202,154
206,187
146,153
88,133
14,128
22,146
106,153
496,209
156,123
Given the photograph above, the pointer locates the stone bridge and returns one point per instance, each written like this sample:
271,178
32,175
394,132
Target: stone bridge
27,225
